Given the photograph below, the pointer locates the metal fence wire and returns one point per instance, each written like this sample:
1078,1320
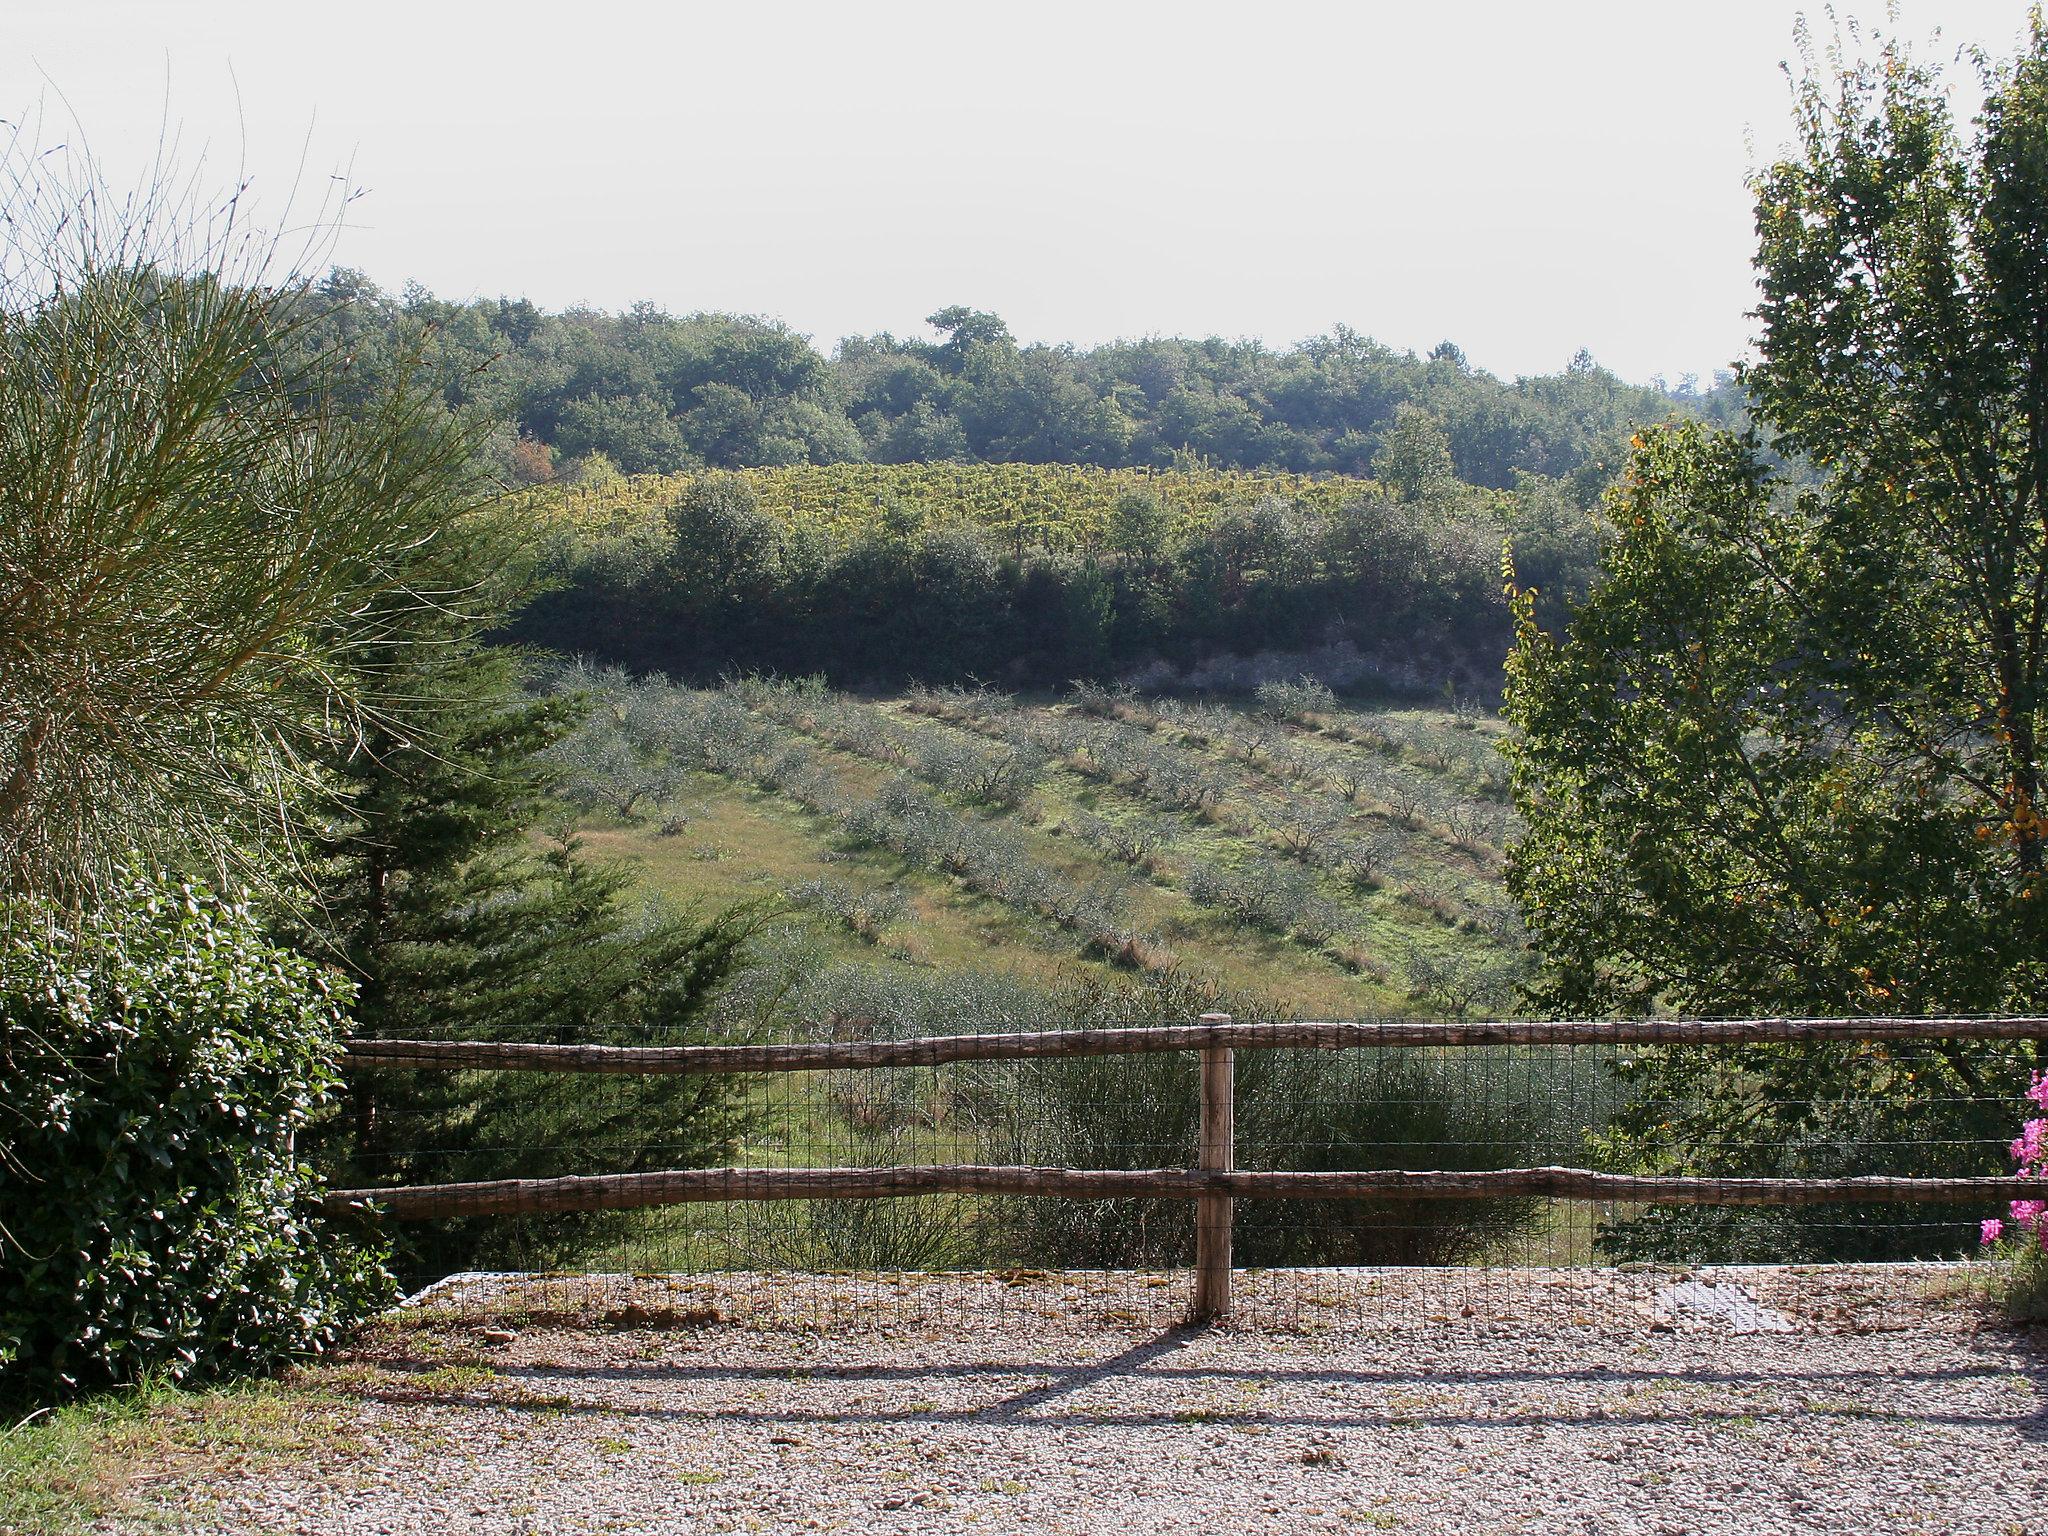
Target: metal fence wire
1343,1171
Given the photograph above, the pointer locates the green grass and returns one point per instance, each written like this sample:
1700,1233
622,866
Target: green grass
73,1468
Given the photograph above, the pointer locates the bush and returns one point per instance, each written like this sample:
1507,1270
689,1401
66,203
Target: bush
1295,1110
925,1232
1298,701
156,1066
1824,1110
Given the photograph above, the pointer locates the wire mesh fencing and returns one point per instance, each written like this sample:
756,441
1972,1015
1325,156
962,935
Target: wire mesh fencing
1388,1171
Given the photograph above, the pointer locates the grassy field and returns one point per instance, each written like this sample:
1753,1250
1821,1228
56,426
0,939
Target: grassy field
1332,862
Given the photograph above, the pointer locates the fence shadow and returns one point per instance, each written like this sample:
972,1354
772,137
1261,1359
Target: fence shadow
1172,1380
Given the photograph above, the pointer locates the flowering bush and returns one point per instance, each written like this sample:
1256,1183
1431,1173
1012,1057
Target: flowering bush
2022,1234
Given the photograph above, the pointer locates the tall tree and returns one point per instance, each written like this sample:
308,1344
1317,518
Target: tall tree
1786,757
459,915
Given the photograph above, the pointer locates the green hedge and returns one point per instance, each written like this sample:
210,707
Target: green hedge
157,1062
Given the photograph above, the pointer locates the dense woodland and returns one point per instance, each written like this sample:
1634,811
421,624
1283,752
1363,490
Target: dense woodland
658,393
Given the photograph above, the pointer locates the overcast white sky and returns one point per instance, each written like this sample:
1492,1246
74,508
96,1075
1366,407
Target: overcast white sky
1523,178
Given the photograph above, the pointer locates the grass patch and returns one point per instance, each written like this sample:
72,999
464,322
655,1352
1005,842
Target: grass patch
73,1468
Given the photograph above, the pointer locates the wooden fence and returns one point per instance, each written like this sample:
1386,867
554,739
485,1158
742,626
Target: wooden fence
1214,1183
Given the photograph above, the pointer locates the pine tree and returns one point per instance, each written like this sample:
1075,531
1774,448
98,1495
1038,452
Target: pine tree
453,895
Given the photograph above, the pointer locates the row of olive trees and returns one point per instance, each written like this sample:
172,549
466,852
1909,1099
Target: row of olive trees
1359,830
664,732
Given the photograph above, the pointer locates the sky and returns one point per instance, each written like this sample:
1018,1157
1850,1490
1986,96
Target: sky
1523,179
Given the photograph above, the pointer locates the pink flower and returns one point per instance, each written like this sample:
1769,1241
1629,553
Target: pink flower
2027,1212
2032,1144
1993,1230
2039,1091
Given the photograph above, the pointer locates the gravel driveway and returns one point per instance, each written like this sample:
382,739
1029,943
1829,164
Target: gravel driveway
1748,1401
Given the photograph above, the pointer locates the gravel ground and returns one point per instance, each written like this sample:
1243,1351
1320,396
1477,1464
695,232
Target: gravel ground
1752,1401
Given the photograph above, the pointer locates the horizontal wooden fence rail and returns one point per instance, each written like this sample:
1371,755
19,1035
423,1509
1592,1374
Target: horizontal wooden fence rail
634,1191
1215,1183
933,1050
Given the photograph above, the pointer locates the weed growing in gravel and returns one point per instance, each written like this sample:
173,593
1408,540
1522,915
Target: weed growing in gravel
70,1470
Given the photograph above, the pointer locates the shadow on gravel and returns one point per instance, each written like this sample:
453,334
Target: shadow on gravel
1638,1394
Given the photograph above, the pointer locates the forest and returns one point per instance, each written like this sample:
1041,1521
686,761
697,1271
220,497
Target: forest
656,393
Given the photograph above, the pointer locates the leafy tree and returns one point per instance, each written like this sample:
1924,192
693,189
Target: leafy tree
658,391
721,539
1415,456
636,432
1786,757
966,329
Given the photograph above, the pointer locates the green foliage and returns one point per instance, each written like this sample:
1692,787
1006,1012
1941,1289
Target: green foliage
459,923
1036,573
192,530
656,392
1415,456
1786,757
158,1062
2024,1292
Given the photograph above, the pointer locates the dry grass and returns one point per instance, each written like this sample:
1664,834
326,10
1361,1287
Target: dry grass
75,1468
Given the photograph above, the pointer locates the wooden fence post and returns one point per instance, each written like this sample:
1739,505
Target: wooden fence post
1218,1154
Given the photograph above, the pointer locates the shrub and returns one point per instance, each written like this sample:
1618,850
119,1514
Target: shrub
1295,1110
1297,701
1256,894
156,1066
1821,1110
2022,1234
1350,776
1105,699
925,1232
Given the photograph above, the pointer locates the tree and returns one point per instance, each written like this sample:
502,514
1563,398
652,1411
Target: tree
195,520
455,920
966,329
1415,455
1786,756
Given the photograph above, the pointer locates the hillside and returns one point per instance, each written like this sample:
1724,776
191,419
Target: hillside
1033,575
1331,861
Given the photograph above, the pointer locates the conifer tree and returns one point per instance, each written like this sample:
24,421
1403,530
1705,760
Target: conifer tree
461,907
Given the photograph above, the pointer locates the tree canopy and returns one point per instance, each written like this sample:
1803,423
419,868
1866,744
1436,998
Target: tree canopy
1787,754
656,392
1785,758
